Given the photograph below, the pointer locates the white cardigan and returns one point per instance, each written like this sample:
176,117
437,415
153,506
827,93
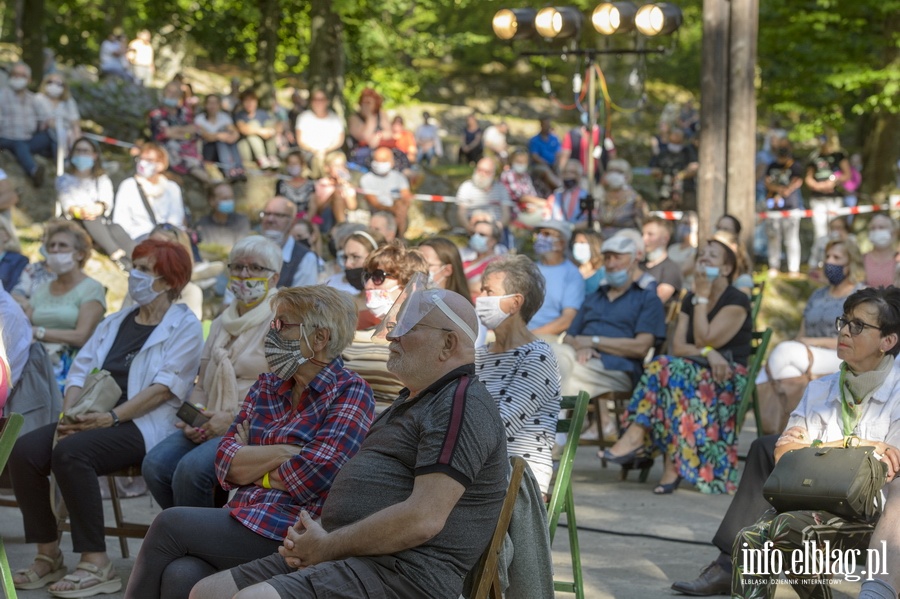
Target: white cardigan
170,357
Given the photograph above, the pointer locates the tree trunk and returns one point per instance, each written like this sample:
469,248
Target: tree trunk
33,38
741,183
882,144
711,184
267,47
326,52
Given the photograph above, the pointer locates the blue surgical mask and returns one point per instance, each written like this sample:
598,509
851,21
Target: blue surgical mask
226,206
170,102
478,243
83,163
712,272
617,278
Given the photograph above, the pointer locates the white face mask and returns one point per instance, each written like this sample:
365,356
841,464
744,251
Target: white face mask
615,180
250,291
581,251
880,238
274,235
482,181
654,255
379,301
54,90
146,168
140,287
18,83
381,168
61,263
489,311
520,168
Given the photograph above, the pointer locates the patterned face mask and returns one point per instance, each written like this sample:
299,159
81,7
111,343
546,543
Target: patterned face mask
284,356
249,291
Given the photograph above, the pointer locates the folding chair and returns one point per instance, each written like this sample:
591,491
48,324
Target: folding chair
562,499
759,345
486,583
9,431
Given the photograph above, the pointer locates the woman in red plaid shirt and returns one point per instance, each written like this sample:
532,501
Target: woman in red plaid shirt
298,425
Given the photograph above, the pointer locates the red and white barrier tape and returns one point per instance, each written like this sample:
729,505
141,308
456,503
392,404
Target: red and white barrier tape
893,204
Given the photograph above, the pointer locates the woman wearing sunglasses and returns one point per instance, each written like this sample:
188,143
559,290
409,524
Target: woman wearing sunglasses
859,401
386,272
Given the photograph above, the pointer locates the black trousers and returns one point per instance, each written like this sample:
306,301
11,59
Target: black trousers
185,545
748,503
76,461
108,237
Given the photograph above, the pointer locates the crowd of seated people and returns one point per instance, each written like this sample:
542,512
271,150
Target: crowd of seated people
575,309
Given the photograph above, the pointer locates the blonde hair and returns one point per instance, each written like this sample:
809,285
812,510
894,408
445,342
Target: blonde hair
82,240
321,307
856,272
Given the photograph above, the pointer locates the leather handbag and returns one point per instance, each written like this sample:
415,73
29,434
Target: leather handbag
844,481
100,393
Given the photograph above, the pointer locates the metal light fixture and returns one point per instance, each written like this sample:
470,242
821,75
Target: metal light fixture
514,23
658,19
614,17
558,22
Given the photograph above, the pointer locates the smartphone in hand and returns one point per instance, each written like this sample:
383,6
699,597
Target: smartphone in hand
192,415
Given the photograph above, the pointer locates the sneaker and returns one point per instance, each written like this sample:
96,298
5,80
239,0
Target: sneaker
37,177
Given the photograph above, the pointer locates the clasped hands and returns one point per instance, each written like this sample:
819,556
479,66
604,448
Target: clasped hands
306,543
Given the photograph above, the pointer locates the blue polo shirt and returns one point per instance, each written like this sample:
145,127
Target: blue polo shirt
545,148
564,288
638,310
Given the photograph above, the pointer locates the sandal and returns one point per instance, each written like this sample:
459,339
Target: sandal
102,580
57,571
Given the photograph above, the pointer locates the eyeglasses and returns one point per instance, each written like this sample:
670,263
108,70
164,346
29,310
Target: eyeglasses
255,270
279,325
377,276
856,326
273,215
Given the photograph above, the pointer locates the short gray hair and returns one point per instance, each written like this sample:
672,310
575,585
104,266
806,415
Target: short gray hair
321,307
389,219
522,276
259,248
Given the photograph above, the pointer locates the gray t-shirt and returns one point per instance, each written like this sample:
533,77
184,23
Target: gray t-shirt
235,228
387,188
436,431
821,311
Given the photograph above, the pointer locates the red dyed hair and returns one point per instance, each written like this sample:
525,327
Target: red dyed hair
171,261
371,93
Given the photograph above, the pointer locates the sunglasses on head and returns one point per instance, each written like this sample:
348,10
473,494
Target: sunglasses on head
377,276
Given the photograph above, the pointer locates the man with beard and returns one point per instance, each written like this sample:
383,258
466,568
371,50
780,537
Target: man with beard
300,264
483,192
411,513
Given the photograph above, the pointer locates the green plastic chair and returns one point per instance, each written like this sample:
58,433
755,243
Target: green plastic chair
9,431
562,499
756,297
749,396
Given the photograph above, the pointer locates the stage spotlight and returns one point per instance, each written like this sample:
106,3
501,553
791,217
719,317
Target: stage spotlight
514,23
658,19
558,22
614,17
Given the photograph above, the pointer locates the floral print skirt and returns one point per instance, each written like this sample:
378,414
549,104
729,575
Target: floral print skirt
690,418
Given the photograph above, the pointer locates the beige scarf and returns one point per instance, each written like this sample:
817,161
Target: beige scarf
235,338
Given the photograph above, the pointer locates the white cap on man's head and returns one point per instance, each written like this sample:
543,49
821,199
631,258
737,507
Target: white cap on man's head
619,244
564,228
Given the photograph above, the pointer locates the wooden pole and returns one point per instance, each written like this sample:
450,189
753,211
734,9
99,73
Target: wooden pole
741,187
711,188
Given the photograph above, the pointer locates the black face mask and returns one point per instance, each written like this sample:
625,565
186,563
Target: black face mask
570,183
355,278
783,153
303,242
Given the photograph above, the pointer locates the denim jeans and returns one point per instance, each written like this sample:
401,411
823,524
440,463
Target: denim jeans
180,472
41,143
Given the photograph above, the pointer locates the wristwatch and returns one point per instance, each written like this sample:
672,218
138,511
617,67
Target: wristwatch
595,340
698,299
39,333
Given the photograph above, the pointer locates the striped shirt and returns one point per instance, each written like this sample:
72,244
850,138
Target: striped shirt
525,383
329,424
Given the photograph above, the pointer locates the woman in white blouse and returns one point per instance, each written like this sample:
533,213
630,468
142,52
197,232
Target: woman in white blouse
220,138
85,195
149,198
